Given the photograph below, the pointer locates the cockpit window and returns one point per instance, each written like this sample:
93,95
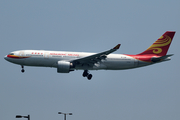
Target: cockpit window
11,53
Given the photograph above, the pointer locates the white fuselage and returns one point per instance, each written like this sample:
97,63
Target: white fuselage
50,59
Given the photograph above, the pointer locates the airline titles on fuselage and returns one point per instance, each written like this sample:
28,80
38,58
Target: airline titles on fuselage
52,54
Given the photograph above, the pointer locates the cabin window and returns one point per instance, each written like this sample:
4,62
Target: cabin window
11,53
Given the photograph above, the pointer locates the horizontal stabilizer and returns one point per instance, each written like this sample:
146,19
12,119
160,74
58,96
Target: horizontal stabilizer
161,58
166,56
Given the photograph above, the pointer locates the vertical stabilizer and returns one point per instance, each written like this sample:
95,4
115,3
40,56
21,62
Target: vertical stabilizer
161,46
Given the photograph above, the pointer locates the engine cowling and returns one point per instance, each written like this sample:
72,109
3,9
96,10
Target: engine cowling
64,67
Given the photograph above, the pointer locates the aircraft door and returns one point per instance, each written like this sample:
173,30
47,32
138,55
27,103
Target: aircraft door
46,55
21,54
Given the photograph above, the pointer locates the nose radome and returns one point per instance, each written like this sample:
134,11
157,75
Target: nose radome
5,57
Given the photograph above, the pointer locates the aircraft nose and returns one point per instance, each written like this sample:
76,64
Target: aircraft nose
5,57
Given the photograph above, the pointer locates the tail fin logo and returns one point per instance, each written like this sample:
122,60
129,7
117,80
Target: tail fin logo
161,42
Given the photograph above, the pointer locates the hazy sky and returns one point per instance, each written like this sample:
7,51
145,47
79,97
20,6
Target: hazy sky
147,93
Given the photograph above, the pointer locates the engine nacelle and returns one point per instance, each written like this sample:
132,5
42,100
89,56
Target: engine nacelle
64,67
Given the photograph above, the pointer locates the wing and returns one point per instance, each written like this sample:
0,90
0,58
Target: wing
92,59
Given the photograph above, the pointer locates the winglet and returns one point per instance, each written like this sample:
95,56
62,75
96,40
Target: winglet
117,46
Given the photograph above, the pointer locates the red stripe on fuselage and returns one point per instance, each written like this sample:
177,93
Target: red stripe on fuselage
144,58
16,57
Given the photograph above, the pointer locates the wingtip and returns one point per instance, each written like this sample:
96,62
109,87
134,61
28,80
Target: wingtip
117,46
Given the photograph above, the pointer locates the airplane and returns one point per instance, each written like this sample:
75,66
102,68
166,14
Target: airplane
66,62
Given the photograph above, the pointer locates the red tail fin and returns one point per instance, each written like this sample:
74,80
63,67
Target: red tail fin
161,46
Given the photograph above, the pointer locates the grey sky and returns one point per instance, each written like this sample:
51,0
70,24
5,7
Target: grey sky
148,93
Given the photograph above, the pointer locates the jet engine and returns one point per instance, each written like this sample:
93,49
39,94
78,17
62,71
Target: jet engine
64,67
